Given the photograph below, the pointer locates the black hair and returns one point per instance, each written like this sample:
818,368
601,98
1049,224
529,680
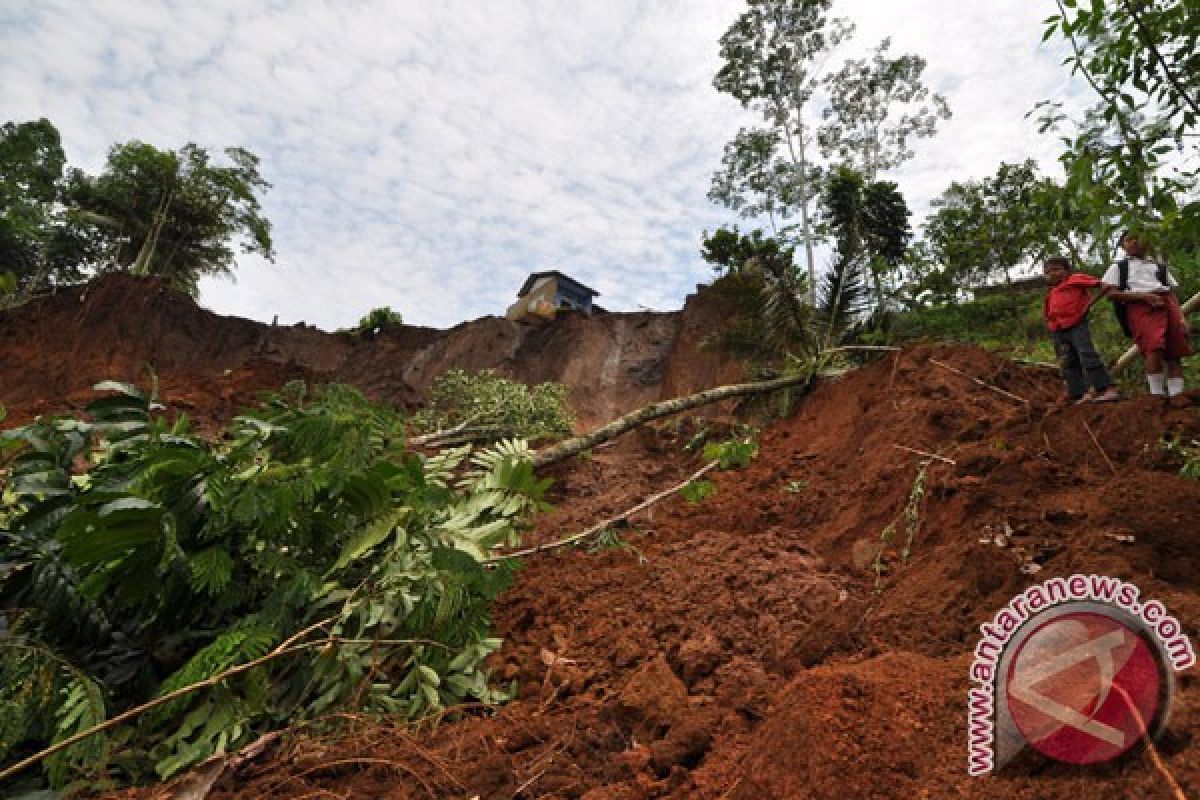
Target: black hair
1066,264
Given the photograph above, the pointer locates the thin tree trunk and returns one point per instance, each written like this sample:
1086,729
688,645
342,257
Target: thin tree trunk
141,264
805,228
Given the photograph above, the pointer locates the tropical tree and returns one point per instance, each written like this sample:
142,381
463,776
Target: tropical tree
875,108
869,224
755,180
773,59
174,213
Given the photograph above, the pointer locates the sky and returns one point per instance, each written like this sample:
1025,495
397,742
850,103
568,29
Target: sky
428,154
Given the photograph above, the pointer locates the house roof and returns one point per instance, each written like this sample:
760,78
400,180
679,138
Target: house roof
535,276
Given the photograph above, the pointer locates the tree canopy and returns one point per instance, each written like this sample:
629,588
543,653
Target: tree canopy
875,107
174,213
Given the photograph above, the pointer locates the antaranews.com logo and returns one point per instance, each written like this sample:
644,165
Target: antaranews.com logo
1078,668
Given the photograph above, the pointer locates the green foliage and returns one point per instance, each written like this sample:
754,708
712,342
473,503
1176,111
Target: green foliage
771,59
379,318
732,453
754,179
729,250
41,238
995,321
488,402
988,229
698,491
153,212
1128,157
1190,454
136,559
773,62
770,318
911,517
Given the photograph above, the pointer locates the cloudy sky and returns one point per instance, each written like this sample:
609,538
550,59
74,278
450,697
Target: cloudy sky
428,154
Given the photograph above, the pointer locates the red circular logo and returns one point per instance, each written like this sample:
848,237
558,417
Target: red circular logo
1083,688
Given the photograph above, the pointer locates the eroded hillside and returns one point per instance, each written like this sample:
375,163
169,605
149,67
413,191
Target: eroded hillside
118,327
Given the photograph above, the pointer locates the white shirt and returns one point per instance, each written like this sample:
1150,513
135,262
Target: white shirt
1143,276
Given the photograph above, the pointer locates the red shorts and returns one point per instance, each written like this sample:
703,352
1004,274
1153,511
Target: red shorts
1159,328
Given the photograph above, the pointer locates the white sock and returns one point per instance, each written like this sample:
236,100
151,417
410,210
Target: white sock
1174,386
1158,383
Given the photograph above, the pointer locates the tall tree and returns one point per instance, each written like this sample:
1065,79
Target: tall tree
875,108
773,58
174,213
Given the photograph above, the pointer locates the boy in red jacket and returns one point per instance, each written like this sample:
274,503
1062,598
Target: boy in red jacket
1065,308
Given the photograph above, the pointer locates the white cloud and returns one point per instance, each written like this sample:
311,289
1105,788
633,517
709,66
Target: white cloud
427,155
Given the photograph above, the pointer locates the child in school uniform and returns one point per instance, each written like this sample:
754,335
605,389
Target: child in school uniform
1154,318
1065,309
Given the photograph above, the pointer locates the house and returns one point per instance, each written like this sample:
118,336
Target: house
545,293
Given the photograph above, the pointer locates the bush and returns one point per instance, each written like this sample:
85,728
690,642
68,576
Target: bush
378,319
137,559
488,402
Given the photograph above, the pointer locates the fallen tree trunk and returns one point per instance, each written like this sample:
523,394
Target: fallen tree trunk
576,445
1192,304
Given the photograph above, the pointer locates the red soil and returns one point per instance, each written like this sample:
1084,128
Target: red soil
740,648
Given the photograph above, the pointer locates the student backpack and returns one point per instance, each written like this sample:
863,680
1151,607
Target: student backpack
1123,284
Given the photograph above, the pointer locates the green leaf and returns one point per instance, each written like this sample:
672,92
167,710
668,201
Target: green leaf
367,537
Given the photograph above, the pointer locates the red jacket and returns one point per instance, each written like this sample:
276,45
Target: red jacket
1066,304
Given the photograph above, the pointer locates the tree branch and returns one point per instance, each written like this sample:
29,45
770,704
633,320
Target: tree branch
608,523
1144,35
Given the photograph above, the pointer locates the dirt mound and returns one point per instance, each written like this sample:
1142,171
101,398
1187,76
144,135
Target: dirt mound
768,642
121,327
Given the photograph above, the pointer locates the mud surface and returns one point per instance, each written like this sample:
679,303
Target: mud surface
745,647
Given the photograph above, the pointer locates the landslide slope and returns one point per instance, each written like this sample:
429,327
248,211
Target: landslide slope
56,347
743,648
